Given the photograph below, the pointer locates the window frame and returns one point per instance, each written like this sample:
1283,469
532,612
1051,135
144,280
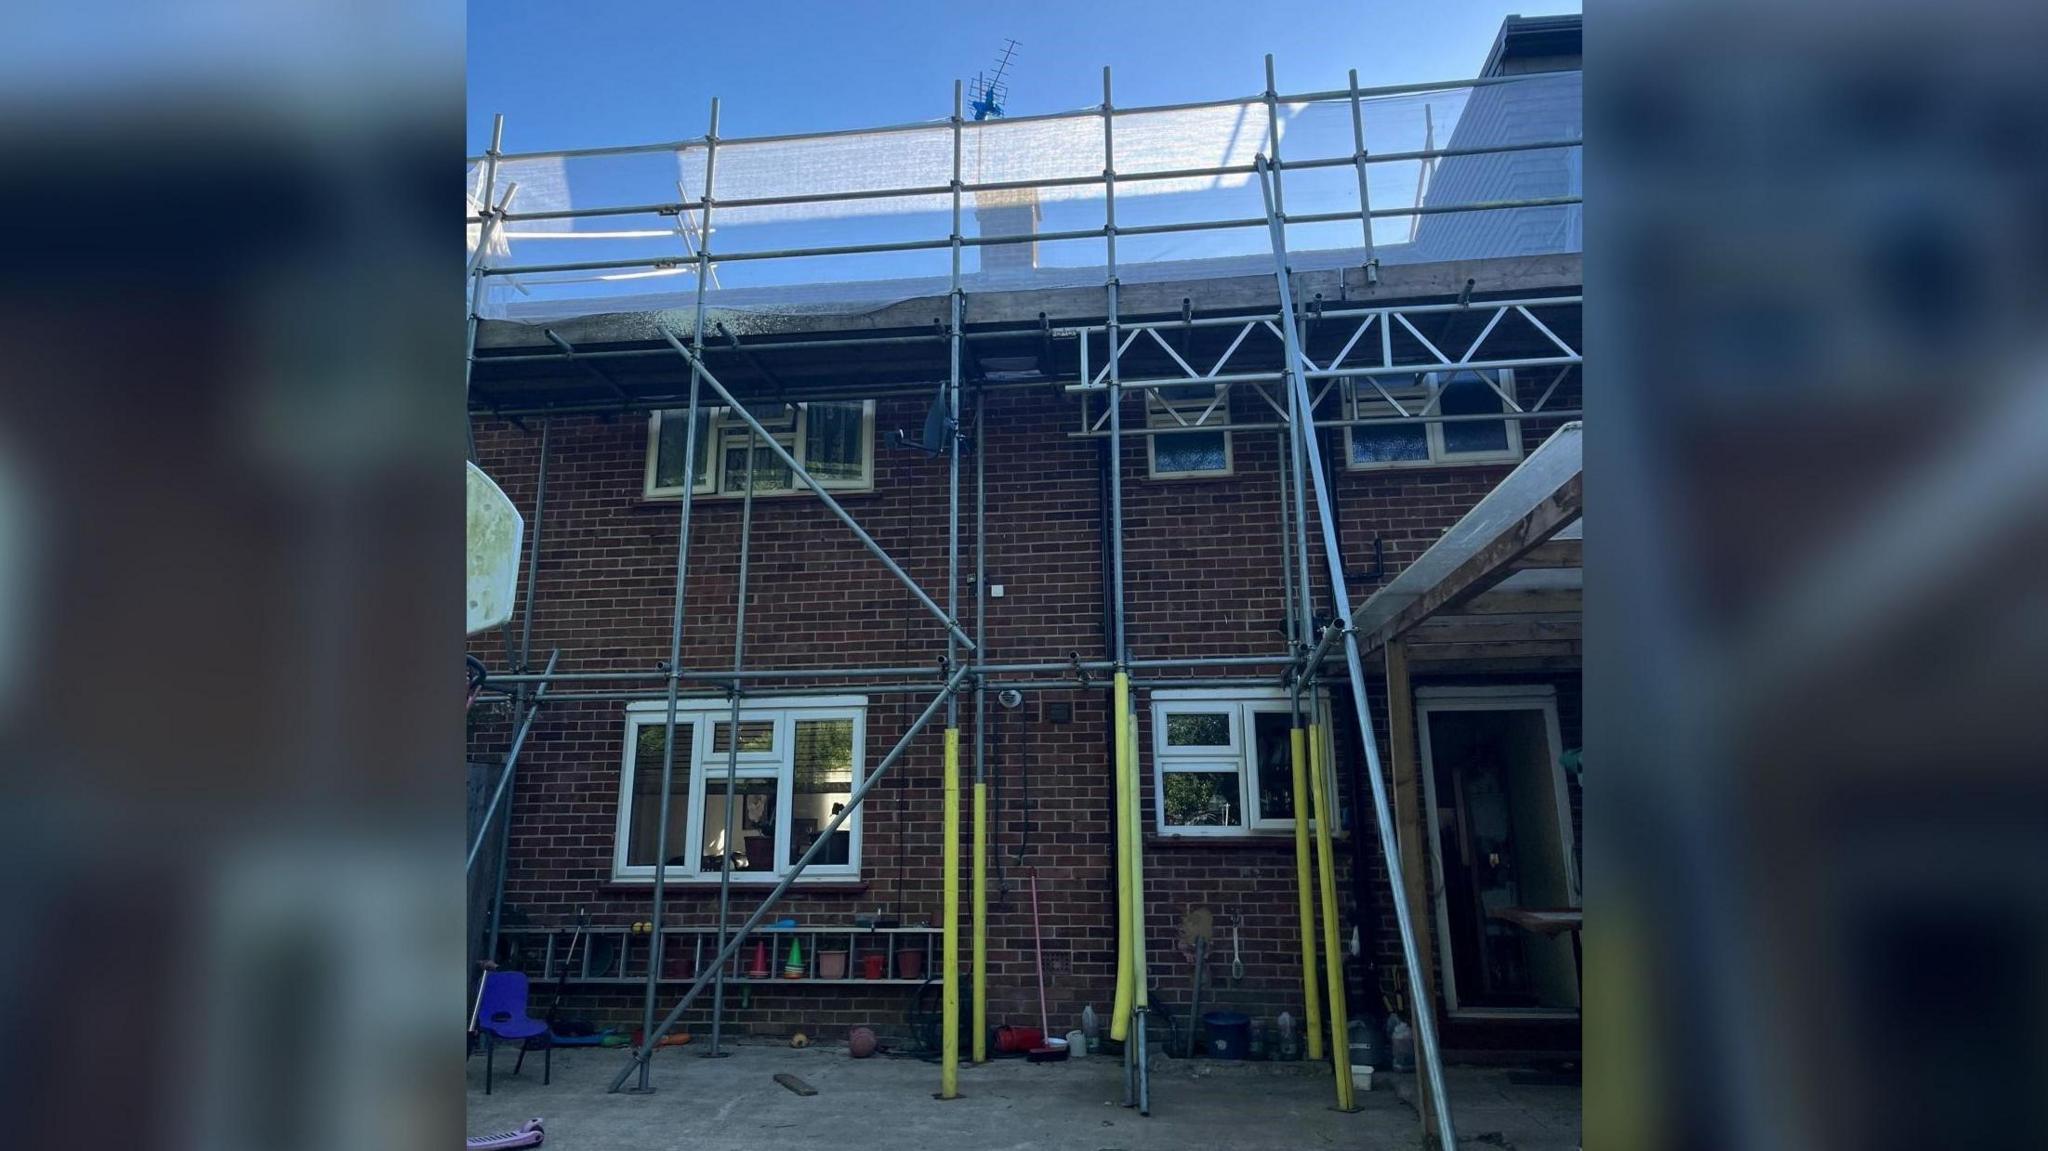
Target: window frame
1159,414
725,426
1429,385
1241,754
778,765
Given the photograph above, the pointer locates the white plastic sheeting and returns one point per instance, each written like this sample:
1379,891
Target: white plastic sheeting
1038,152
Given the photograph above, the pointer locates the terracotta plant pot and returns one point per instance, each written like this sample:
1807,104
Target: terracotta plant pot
831,964
874,967
910,963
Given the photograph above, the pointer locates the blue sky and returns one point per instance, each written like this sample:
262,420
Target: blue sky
632,71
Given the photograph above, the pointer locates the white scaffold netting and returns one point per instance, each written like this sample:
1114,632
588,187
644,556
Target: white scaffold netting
647,258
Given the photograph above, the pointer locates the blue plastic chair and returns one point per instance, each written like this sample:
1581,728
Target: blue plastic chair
503,1018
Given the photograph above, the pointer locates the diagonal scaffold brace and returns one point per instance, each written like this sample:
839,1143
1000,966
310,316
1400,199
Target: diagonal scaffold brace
1303,431
782,454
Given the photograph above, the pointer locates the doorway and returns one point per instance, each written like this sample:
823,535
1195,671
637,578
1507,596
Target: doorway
1503,840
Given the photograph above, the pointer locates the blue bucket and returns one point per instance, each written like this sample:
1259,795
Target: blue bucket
1229,1034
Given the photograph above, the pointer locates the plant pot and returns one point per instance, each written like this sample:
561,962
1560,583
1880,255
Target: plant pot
874,967
831,964
910,963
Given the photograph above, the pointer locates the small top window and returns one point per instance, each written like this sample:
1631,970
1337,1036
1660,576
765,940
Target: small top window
1408,442
834,441
1203,448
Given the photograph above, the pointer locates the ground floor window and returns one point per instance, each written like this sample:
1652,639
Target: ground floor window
1222,760
795,767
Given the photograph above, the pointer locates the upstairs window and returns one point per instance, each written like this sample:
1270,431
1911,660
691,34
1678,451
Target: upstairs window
1201,450
1223,762
834,441
1419,444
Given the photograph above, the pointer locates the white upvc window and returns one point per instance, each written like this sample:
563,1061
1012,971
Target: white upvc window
834,441
797,766
1203,449
1222,760
1419,444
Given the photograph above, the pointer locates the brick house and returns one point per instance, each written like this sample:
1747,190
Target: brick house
594,395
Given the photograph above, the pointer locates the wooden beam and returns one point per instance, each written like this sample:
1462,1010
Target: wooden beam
1555,554
1533,628
1411,824
1522,665
1503,601
1436,653
1492,563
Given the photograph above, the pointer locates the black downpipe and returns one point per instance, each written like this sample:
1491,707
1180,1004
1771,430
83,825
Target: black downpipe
1109,610
1354,790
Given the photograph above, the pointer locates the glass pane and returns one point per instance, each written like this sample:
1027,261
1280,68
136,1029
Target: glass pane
770,473
834,441
1197,729
823,776
1388,443
1467,395
668,455
1190,452
755,735
644,814
753,848
1273,756
1203,799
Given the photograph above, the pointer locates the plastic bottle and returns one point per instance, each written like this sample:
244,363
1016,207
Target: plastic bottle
1369,1046
1090,1029
1290,1047
1402,1039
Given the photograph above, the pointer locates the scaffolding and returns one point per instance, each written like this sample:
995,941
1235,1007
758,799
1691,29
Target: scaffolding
1103,364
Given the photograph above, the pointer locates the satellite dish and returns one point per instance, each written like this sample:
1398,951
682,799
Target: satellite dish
937,422
496,531
938,428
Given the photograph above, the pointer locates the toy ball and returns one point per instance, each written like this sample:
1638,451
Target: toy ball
799,1040
860,1042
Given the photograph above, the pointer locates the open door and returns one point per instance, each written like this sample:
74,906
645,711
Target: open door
1496,794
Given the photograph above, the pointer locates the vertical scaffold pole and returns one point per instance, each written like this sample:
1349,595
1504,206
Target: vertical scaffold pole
540,505
1425,1022
1301,417
675,641
1358,159
732,753
949,1043
981,813
1133,917
484,232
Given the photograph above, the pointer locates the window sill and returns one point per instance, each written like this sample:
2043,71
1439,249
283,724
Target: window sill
644,502
1257,839
1433,465
828,885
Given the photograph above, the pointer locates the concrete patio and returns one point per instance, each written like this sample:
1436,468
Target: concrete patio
887,1101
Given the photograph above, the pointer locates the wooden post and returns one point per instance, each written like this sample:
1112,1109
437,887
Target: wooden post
1411,824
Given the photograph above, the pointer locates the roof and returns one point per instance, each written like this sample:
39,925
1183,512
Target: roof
1535,44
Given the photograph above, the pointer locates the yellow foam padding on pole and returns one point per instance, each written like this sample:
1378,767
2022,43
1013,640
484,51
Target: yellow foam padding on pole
1333,958
1120,1015
980,921
949,950
1304,883
1137,828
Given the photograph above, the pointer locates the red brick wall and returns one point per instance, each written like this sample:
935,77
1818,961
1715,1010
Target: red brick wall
1203,578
